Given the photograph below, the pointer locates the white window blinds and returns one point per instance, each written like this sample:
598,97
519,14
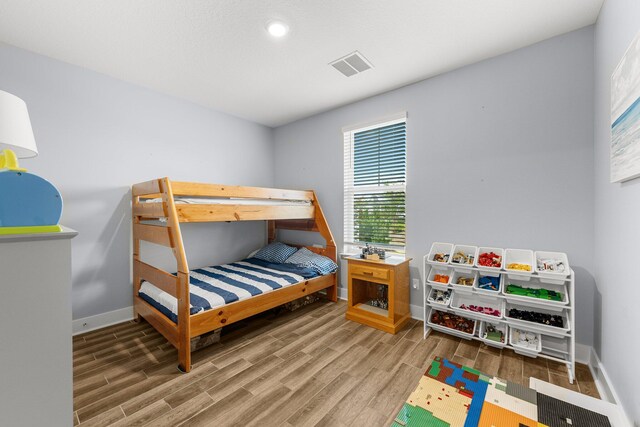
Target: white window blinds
375,176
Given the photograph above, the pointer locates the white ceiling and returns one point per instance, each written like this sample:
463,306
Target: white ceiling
219,54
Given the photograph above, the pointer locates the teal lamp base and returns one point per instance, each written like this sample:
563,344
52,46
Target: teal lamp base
28,204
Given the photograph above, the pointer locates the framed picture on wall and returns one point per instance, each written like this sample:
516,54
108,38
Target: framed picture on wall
625,115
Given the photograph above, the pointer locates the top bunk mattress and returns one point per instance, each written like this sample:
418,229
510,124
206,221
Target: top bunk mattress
216,286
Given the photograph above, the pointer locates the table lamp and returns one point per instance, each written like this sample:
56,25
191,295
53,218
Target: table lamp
28,203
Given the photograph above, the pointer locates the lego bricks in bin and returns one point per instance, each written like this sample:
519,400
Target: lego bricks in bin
489,283
490,259
462,258
519,266
441,257
526,339
544,294
480,309
464,281
533,316
440,297
494,334
453,321
519,260
440,252
441,278
552,265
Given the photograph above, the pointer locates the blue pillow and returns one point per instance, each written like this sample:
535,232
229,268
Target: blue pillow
305,258
275,252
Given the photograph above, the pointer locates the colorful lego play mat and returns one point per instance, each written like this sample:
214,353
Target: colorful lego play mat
450,394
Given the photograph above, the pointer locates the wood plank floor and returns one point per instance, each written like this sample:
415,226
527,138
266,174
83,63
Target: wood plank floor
311,367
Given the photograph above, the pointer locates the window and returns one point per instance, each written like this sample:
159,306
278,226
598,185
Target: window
375,177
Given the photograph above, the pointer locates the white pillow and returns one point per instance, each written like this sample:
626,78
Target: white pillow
253,253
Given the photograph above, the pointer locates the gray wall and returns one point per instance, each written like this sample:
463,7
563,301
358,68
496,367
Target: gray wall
97,136
499,153
617,230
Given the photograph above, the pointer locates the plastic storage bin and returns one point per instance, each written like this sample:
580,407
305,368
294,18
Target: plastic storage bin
440,248
467,252
459,299
520,347
488,292
535,283
465,274
552,277
431,297
441,271
519,256
556,347
500,327
539,327
486,249
451,331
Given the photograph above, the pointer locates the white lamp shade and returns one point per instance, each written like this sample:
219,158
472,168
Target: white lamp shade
15,126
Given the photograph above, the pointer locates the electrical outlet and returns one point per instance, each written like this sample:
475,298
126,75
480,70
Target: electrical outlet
416,284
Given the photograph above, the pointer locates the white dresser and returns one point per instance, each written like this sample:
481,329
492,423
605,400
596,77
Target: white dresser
36,378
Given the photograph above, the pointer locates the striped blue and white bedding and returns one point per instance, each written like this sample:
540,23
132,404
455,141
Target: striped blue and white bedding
216,286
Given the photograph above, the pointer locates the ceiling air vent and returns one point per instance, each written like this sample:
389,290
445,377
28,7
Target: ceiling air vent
351,64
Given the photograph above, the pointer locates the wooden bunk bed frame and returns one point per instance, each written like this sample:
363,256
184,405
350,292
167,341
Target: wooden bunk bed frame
301,217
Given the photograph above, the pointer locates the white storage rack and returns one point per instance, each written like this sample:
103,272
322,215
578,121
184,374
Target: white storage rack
557,344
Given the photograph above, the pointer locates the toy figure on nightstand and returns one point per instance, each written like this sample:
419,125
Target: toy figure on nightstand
372,253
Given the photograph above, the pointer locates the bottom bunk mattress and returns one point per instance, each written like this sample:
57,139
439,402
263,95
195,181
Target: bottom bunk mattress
216,286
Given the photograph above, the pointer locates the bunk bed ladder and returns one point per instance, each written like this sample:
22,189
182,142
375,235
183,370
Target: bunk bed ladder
184,304
171,237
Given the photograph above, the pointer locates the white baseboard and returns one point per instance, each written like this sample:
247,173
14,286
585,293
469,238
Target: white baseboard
417,312
603,383
87,324
600,378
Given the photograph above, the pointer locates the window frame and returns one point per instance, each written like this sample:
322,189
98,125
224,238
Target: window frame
349,244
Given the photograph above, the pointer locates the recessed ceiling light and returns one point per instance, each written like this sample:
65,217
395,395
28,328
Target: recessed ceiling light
277,29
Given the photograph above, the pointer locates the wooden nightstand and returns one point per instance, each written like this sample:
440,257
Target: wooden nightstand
385,279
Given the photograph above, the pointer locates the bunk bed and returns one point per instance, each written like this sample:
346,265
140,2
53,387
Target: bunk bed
160,206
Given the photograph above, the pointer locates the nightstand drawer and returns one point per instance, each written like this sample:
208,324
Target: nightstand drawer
367,271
